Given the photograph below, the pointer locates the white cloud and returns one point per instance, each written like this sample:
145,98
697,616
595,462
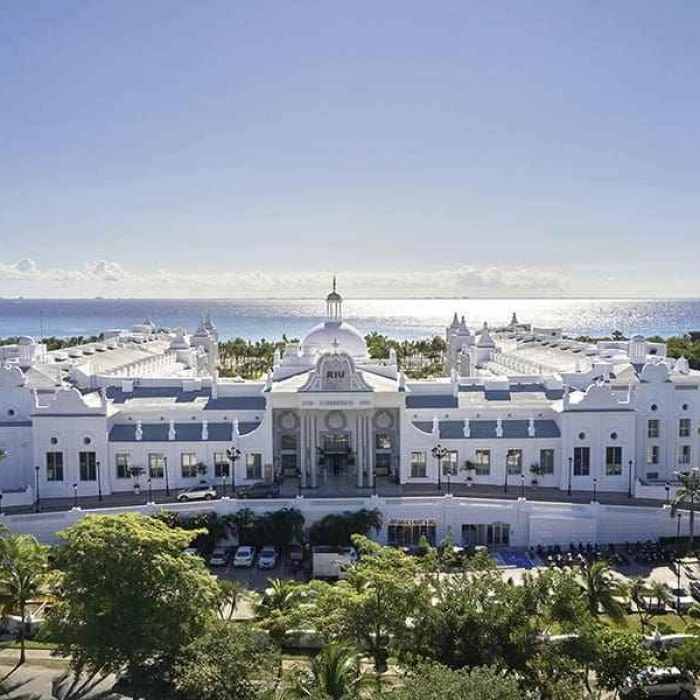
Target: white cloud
105,277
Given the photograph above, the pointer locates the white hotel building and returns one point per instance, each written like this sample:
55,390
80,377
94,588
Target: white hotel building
328,420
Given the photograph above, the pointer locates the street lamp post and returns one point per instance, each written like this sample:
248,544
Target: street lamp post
299,475
37,501
629,479
522,486
505,479
667,487
167,481
568,490
678,563
233,454
150,490
595,489
75,494
0,501
99,482
439,452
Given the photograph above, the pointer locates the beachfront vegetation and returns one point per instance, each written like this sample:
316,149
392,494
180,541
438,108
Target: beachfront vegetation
126,598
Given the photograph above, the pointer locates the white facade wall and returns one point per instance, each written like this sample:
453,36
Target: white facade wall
530,523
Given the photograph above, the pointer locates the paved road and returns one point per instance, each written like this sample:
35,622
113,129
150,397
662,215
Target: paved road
290,490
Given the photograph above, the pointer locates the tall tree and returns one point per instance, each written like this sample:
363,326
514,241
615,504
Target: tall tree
436,682
688,497
602,590
23,575
127,595
371,608
335,674
227,661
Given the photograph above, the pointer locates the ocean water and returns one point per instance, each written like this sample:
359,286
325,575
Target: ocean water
399,318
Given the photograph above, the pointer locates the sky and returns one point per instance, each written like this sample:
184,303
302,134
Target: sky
255,147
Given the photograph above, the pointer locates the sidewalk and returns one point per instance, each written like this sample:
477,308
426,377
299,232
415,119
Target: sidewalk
384,488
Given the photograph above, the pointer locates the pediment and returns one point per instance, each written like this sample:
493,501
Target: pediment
335,372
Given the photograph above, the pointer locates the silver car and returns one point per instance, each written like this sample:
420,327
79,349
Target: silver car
201,492
660,683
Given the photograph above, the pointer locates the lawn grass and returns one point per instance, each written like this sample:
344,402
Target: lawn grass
667,624
29,644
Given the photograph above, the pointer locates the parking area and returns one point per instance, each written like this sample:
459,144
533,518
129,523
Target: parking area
253,577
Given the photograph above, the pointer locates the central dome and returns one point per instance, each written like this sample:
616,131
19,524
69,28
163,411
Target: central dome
332,336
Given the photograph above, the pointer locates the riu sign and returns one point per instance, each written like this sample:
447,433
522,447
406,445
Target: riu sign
335,374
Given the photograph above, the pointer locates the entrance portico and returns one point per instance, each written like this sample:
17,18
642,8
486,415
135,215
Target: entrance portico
336,446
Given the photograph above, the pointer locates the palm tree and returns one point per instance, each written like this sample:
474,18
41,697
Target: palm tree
638,592
282,595
686,497
334,674
230,592
23,565
658,592
601,590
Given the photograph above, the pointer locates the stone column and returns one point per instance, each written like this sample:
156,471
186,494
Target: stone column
303,447
359,459
370,450
314,451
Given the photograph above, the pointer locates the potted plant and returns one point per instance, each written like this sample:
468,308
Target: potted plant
135,473
469,467
536,471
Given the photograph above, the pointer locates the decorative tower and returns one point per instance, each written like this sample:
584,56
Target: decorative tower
334,305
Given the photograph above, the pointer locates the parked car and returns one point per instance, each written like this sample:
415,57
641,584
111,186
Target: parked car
220,556
267,559
258,490
660,683
695,589
679,599
244,557
201,492
192,551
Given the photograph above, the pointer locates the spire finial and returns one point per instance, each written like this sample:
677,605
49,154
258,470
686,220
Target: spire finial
334,283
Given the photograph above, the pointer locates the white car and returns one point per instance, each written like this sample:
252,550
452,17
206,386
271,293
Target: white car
267,559
244,557
201,492
219,557
191,551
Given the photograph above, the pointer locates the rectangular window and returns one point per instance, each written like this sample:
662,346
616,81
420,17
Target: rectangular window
582,461
289,464
547,461
684,427
156,466
123,462
382,441
653,454
613,461
88,466
653,430
684,454
54,466
220,464
188,465
253,465
288,441
514,461
382,463
449,464
418,464
483,462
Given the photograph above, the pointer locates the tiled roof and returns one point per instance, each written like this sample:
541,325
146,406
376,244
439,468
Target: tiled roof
486,429
184,432
431,401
